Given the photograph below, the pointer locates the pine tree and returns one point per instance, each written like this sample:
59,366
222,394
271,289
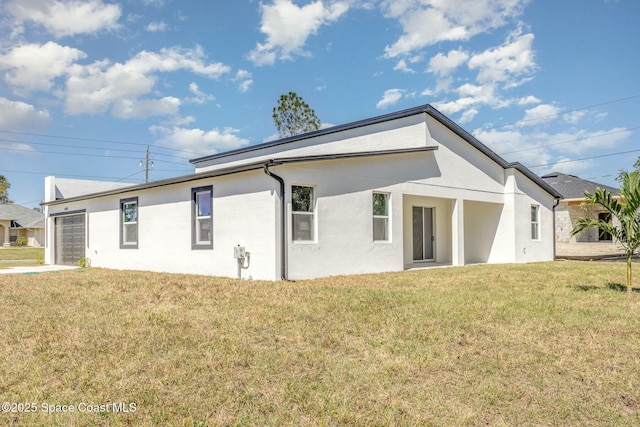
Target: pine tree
293,116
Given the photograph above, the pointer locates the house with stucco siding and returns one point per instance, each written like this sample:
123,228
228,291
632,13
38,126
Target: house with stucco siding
404,190
18,221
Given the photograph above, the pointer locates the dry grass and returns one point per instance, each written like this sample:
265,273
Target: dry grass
540,344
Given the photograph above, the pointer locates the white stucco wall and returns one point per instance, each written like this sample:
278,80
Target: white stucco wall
408,132
527,193
484,239
344,220
244,212
64,188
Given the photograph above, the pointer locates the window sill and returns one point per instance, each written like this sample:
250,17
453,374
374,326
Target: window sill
202,247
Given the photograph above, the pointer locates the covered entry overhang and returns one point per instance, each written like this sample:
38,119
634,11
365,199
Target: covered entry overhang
444,231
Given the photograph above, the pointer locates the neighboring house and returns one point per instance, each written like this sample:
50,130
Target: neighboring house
590,242
569,209
400,191
17,221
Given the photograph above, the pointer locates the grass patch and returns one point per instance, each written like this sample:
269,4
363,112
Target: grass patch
537,344
19,253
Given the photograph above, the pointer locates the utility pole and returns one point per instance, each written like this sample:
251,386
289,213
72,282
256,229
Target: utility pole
146,166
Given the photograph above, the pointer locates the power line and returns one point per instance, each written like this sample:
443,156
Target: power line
85,155
62,175
586,158
565,112
572,140
98,140
89,148
129,176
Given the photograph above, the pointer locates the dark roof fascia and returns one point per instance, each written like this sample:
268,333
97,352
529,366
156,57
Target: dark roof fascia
454,127
322,132
422,109
238,169
284,160
159,183
535,178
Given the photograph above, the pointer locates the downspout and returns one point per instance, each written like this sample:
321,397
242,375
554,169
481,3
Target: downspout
283,230
553,211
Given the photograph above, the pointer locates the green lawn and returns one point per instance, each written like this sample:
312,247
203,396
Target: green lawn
538,344
20,253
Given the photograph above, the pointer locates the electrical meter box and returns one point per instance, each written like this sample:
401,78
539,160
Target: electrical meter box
239,252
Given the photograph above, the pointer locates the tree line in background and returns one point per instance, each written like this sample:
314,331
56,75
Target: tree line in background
4,191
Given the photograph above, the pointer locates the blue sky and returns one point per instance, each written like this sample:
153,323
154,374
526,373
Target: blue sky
86,85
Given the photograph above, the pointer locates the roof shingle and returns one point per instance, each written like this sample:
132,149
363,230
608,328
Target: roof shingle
573,187
25,217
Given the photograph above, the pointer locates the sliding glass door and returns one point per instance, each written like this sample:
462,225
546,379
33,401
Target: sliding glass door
423,235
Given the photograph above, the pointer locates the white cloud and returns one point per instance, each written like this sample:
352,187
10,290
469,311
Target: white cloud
143,108
527,100
504,63
539,114
514,145
402,66
498,69
444,65
198,140
470,97
452,107
422,28
580,141
425,23
287,27
468,115
200,97
65,18
33,67
574,116
569,166
244,80
154,27
18,146
390,97
101,86
553,149
15,115
428,92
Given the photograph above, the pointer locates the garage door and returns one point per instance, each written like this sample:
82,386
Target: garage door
70,240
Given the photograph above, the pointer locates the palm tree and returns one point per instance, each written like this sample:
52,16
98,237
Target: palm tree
624,208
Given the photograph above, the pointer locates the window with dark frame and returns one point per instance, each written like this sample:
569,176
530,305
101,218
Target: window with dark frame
202,217
129,223
302,213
